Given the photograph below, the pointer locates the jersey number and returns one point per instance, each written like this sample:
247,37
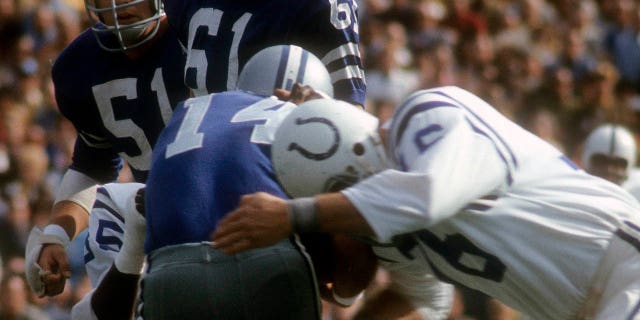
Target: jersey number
342,13
210,19
454,248
104,241
126,128
268,110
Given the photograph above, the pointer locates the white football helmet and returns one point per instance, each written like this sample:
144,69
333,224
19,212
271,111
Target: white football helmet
326,145
614,141
103,15
279,67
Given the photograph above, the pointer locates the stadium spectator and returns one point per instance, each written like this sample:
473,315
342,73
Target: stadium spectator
14,300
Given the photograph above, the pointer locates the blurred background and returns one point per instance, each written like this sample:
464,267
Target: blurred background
558,68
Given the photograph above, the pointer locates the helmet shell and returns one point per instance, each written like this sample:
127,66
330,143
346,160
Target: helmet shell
279,67
612,140
326,145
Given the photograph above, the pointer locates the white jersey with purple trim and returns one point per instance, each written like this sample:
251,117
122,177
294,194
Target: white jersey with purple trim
106,233
483,203
106,228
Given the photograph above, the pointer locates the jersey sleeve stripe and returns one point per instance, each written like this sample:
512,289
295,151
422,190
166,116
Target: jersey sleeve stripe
629,239
103,191
406,117
348,72
349,49
632,226
99,204
484,125
421,107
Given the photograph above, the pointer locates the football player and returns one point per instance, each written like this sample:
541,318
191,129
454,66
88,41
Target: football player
610,152
117,83
467,195
214,149
114,253
220,36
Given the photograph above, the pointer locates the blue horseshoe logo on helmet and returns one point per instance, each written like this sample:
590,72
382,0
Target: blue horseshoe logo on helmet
317,156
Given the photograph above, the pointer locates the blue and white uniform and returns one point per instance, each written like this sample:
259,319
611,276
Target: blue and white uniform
220,36
481,202
215,149
118,105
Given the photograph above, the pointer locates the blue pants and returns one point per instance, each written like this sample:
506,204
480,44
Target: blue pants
195,281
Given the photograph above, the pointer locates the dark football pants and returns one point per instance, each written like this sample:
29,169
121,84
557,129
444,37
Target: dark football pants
195,281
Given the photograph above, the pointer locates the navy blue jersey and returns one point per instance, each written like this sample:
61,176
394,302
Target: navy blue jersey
215,149
221,35
118,105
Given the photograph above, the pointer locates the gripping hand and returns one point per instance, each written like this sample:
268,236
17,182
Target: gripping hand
55,267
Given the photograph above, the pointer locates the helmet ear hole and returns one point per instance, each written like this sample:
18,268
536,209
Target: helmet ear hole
358,149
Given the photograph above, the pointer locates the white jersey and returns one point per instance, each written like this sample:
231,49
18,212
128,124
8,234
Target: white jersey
431,297
632,185
486,204
106,234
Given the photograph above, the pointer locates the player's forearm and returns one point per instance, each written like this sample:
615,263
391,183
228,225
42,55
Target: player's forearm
114,298
74,199
70,216
336,214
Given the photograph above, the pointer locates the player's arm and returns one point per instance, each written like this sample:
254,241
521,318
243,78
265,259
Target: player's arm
448,164
337,23
94,162
46,259
114,298
344,266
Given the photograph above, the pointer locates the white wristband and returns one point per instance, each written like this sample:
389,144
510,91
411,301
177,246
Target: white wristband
54,230
345,301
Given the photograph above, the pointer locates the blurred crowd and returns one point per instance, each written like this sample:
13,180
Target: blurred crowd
559,68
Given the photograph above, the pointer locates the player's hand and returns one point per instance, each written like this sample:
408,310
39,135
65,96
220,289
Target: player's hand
260,220
299,94
46,264
56,269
